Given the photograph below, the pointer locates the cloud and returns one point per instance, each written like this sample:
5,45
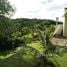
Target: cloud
49,9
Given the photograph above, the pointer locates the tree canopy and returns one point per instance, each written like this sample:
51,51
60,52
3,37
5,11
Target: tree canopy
5,8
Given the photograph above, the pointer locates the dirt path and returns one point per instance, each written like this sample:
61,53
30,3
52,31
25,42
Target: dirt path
59,41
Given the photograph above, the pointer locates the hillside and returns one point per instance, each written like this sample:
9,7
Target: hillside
36,20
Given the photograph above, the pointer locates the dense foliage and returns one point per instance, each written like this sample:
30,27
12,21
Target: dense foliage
6,27
22,30
15,32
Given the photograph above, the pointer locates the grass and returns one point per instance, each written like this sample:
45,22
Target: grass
25,57
37,45
62,61
19,58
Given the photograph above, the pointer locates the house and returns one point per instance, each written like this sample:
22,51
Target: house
61,29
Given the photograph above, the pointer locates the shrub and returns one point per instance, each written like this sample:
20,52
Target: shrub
27,38
12,42
25,30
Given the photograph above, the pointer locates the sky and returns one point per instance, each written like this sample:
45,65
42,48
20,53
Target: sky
41,9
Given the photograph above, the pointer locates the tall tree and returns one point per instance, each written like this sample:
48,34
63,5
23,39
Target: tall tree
5,10
6,25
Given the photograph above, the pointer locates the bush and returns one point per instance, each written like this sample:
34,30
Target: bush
5,43
25,30
12,42
27,38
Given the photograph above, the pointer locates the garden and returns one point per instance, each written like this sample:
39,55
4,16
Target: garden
26,42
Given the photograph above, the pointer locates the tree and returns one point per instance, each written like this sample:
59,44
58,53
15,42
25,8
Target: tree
6,27
5,8
50,50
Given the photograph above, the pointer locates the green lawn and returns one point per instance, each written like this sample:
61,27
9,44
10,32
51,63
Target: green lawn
62,61
25,57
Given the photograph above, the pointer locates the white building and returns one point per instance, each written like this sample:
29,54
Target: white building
65,24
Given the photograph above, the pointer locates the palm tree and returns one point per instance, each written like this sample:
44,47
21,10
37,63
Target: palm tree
50,50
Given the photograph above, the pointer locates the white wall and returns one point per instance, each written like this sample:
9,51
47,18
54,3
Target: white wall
65,24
